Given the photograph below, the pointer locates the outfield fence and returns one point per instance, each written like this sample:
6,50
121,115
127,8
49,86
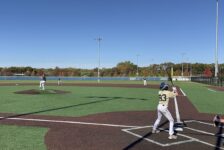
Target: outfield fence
83,78
208,80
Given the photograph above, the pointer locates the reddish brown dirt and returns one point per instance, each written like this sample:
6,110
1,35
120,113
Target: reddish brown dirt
217,88
65,136
35,92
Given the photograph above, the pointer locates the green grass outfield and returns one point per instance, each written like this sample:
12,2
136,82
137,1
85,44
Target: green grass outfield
205,100
88,100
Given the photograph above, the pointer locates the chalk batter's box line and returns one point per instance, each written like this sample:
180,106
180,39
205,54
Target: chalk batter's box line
191,139
206,123
155,142
129,131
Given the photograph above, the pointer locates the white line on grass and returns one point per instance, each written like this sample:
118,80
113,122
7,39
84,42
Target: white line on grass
211,90
70,122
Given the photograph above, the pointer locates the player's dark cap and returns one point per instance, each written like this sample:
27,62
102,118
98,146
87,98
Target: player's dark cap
164,86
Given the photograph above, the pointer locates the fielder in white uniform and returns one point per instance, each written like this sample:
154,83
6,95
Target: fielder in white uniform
42,82
59,81
145,82
162,109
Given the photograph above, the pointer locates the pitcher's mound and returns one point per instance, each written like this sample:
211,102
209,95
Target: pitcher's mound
35,92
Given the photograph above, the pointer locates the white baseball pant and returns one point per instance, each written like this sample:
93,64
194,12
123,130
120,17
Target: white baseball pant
42,85
163,110
145,82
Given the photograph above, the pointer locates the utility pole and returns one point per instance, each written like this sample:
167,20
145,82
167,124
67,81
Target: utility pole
216,47
187,67
137,65
99,39
182,72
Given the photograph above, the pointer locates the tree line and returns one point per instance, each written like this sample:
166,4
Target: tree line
122,69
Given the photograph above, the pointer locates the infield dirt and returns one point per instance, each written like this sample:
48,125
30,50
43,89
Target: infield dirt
73,136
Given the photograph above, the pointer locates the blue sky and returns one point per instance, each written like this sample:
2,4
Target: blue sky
49,33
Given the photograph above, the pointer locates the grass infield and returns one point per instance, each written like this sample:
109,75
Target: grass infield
90,100
80,101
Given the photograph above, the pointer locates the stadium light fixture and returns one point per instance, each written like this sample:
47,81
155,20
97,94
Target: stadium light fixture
216,47
182,72
99,39
137,65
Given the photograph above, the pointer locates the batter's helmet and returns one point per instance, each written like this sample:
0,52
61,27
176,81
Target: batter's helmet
164,86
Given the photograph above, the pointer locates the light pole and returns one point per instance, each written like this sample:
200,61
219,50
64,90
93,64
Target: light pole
137,64
216,47
187,67
182,72
99,39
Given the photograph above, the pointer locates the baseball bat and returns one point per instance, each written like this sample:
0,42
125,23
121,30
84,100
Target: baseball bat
179,123
169,75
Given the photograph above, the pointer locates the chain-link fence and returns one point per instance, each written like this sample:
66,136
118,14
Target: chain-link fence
209,80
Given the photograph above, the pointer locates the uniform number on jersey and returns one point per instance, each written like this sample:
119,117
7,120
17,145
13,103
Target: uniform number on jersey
162,97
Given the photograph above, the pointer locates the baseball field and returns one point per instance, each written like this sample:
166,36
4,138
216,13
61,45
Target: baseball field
107,115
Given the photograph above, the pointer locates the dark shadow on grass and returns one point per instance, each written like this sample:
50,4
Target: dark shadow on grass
60,108
124,98
138,141
219,137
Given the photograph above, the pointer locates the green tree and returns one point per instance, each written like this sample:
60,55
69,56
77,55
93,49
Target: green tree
126,68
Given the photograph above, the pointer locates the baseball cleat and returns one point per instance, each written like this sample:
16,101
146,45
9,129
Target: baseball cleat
216,120
155,131
171,137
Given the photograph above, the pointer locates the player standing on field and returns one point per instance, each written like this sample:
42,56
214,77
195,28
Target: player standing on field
59,81
218,121
144,82
162,109
42,82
